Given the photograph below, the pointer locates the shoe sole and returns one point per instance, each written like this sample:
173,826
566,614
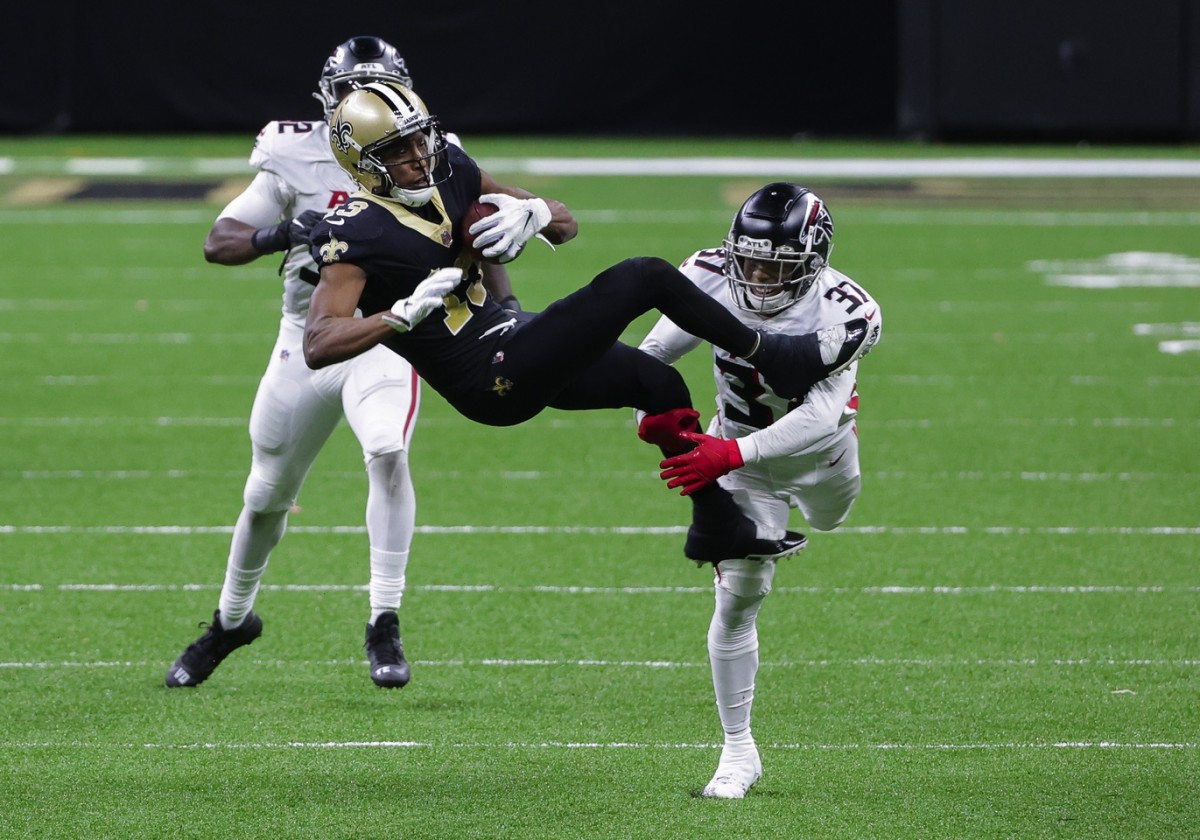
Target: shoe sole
391,680
786,552
710,793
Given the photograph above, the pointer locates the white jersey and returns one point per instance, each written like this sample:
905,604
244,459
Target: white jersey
296,172
767,425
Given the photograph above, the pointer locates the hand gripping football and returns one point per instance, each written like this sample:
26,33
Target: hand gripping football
475,211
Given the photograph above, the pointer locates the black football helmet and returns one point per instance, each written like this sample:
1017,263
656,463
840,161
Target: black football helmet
778,245
362,59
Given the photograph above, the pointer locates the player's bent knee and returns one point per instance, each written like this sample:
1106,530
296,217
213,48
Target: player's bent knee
391,464
263,496
654,267
632,274
821,520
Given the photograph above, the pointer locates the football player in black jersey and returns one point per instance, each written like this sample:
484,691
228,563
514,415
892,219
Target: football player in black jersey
394,252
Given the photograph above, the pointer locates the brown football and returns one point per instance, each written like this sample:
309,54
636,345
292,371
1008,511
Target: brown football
475,211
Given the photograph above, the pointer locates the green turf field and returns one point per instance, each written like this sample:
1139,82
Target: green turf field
1003,641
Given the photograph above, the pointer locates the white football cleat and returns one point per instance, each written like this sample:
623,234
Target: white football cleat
733,779
842,344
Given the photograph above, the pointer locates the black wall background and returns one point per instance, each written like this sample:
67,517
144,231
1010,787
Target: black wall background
939,69
1057,69
503,66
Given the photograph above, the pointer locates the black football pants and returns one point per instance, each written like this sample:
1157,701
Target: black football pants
569,356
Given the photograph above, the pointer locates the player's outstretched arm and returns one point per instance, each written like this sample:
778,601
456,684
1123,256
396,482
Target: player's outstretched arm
332,334
233,242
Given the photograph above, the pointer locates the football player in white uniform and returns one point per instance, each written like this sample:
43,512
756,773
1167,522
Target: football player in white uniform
296,409
773,454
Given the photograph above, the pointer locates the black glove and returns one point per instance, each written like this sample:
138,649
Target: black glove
287,234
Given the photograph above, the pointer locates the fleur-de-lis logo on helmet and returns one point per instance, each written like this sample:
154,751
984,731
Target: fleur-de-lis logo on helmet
342,136
332,250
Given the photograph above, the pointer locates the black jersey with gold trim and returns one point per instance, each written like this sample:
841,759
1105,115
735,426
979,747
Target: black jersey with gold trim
398,247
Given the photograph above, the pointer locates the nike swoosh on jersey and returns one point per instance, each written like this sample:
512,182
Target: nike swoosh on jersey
834,462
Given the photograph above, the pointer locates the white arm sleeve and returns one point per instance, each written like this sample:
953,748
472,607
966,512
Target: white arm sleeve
817,417
667,342
264,202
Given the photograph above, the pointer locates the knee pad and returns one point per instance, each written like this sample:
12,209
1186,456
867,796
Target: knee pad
738,593
746,579
263,496
827,519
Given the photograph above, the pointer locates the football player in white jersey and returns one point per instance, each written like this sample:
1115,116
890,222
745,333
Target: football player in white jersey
296,409
773,454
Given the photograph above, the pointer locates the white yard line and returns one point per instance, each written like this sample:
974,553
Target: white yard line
638,475
887,589
792,166
584,420
600,745
899,216
872,662
635,530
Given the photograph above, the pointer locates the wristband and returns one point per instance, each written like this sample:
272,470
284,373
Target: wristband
271,239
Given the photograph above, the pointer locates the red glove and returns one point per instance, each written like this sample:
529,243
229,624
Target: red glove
695,470
665,430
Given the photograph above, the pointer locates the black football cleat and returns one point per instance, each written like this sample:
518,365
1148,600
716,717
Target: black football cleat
791,364
720,530
202,656
713,548
385,652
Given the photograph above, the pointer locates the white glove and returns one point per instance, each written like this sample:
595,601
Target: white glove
429,295
502,235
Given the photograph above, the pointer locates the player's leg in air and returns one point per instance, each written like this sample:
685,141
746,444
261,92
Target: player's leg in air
289,423
568,357
381,400
601,310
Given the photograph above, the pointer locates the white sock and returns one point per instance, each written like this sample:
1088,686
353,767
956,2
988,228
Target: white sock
391,520
254,536
733,655
387,581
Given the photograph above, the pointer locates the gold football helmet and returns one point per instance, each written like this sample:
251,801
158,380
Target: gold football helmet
373,117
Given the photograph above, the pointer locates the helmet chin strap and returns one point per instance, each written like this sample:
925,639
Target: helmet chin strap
412,198
767,305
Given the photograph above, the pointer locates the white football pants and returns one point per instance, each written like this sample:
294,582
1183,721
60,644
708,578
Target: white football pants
295,411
